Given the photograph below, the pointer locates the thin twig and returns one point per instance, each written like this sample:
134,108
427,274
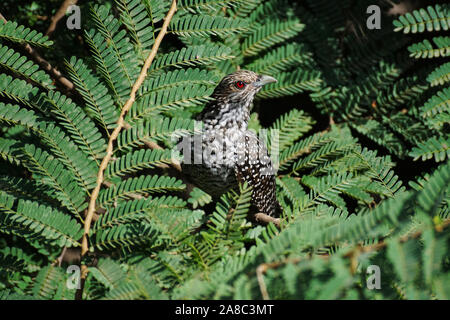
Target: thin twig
113,137
60,259
262,285
59,15
263,267
54,73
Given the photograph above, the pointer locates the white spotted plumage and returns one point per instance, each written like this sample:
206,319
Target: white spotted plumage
230,152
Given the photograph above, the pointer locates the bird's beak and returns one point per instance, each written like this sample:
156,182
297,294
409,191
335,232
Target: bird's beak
263,80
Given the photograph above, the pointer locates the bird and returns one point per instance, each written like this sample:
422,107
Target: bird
225,153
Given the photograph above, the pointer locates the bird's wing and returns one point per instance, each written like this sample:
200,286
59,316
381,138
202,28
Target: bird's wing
254,166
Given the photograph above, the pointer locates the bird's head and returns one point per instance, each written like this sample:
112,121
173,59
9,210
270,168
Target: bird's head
232,98
241,86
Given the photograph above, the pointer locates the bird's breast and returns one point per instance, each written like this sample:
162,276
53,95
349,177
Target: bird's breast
212,166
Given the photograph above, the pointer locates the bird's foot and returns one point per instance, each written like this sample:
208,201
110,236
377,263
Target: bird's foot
265,218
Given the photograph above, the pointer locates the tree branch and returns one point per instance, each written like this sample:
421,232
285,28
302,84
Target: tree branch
59,15
113,137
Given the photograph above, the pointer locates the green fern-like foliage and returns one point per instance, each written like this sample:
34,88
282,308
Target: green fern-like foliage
340,181
435,112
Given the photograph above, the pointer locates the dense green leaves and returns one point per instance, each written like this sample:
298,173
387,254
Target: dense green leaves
433,18
140,185
435,110
139,23
360,113
16,33
99,102
13,61
202,26
25,216
192,56
270,34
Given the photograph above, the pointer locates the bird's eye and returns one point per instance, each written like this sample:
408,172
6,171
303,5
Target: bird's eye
240,84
